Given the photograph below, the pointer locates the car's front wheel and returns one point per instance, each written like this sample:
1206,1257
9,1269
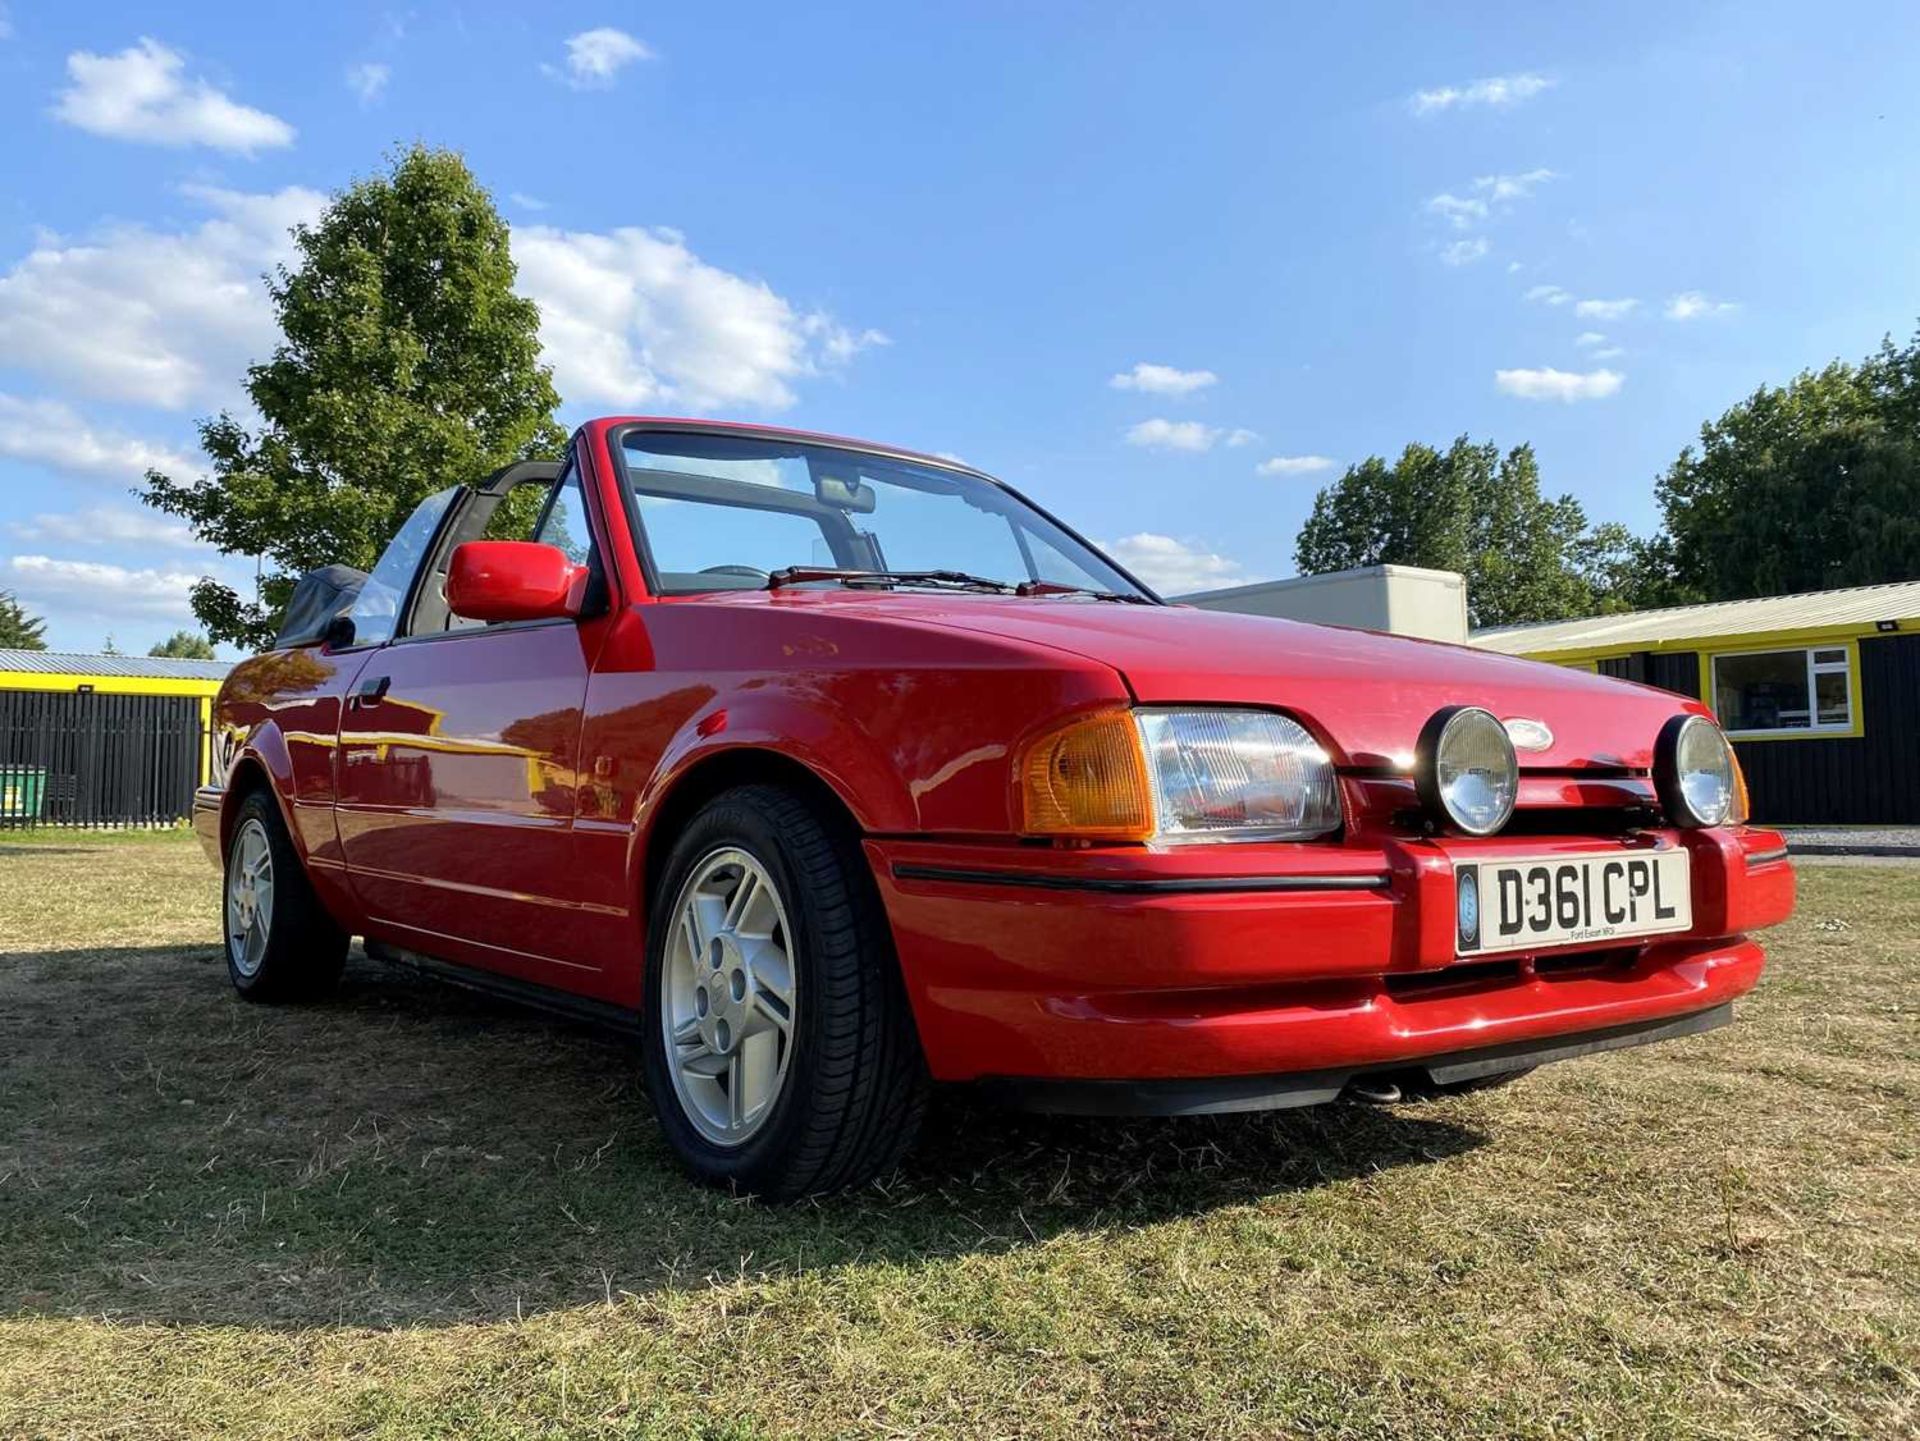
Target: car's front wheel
281,943
779,1052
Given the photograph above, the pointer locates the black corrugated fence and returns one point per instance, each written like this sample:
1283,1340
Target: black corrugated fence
79,758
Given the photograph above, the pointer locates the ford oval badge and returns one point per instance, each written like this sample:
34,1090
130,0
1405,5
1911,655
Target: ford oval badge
1528,734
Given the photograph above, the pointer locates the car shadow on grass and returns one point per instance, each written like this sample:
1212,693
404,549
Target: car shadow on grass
409,1152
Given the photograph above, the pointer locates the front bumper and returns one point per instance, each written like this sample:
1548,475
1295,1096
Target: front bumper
1262,961
206,821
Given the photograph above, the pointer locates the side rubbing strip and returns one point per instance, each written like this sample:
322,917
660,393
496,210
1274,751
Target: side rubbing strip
1761,858
1155,886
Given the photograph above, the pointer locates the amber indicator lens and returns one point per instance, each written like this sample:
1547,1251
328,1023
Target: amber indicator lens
1087,779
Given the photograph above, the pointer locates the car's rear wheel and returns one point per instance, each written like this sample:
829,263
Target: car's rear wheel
281,943
779,1051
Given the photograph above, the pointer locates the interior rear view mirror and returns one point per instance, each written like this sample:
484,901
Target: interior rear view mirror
845,493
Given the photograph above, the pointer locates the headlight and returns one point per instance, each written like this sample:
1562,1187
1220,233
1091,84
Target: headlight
1179,775
1237,774
1465,771
1696,773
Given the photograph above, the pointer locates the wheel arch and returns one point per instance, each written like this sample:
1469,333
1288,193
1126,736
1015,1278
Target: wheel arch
262,765
715,773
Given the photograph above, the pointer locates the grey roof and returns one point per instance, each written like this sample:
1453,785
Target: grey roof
1649,629
147,667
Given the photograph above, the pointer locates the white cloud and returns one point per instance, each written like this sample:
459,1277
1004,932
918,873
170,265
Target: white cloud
633,317
64,589
595,57
1175,567
527,202
144,94
1691,305
107,525
1188,435
1548,295
1162,379
1294,465
1587,339
1562,385
1461,212
368,80
1501,188
1157,434
168,319
1497,92
1465,252
50,434
1605,309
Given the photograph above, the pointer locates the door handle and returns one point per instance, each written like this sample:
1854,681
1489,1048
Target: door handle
370,691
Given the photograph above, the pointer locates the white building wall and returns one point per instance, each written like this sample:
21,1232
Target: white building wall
1402,599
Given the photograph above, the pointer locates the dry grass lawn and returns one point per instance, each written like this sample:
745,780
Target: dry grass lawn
410,1213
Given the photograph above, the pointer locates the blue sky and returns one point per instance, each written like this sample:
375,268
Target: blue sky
1299,234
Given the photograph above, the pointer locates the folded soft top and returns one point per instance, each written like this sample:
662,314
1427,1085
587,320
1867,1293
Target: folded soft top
320,597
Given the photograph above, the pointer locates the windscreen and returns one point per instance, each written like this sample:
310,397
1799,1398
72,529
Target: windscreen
725,512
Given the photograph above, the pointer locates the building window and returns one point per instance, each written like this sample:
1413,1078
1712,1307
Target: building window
1768,692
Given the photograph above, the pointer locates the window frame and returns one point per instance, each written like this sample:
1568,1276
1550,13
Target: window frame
1848,665
616,435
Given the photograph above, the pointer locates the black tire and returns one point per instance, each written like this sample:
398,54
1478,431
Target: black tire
855,1083
302,950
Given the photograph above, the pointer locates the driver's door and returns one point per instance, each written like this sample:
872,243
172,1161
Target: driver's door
459,770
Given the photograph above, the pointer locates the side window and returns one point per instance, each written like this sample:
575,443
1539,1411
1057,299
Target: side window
376,610
565,523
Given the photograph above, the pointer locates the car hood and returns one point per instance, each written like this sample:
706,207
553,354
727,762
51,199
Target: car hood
1366,693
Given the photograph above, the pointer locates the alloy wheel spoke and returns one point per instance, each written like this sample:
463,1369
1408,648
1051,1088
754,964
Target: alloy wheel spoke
736,1104
741,903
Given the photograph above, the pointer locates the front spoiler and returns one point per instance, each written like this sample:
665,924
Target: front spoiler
1212,1095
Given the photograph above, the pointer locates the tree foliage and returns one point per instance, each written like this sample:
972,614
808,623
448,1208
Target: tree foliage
1807,486
184,645
20,629
1473,510
407,364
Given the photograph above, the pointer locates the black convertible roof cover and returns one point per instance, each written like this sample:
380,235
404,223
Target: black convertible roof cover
319,597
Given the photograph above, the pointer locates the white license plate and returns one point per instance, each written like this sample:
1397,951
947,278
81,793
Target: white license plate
1534,901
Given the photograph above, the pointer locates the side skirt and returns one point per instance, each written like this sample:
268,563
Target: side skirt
601,1015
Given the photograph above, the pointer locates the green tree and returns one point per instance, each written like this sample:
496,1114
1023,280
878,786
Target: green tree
1807,486
407,364
1468,509
20,629
184,645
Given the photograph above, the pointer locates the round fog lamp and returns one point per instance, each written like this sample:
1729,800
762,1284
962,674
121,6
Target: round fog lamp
1465,771
1693,768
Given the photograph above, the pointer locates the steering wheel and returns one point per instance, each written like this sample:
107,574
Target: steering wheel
747,570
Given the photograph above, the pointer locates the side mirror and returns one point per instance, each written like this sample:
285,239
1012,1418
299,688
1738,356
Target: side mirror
504,580
339,633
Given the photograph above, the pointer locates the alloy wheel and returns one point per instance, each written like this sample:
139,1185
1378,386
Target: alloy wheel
729,987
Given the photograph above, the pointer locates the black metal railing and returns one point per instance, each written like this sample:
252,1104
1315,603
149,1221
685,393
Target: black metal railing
79,758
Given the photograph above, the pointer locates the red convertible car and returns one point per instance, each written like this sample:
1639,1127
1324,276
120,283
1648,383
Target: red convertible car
836,770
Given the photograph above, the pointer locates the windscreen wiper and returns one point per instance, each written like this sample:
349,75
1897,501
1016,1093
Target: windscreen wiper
1055,587
955,579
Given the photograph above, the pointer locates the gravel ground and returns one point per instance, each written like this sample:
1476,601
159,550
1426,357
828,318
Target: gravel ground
1853,840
